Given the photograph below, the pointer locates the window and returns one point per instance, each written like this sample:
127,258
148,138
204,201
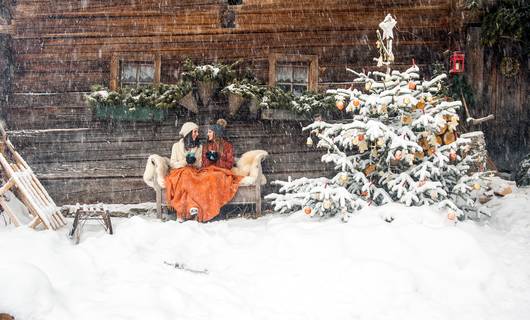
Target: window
235,2
293,77
136,74
295,73
134,69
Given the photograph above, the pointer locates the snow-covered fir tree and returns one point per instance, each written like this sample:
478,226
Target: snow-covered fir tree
401,145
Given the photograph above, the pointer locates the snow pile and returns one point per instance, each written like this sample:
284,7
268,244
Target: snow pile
420,266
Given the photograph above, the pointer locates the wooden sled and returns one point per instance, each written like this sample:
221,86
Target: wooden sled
18,175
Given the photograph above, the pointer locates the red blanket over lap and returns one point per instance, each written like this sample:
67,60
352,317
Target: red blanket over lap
207,189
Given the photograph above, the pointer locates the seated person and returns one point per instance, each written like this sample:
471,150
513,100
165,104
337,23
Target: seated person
188,150
218,150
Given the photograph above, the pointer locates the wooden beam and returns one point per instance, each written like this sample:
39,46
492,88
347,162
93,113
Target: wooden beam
7,29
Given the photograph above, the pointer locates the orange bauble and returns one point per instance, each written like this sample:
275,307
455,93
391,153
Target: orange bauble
452,156
364,194
451,215
356,102
412,85
307,210
340,105
361,137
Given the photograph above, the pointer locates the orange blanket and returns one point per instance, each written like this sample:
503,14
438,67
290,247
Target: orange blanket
207,189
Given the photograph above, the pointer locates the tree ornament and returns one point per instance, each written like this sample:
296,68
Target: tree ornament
363,146
412,85
420,105
374,153
476,186
361,137
364,194
356,103
368,86
369,169
384,108
343,179
355,140
340,105
419,155
380,142
451,215
452,155
406,119
309,141
449,137
434,195
398,155
326,204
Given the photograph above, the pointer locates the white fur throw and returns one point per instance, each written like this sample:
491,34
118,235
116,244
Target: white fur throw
157,166
248,166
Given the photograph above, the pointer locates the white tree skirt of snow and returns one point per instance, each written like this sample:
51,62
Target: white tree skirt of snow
420,266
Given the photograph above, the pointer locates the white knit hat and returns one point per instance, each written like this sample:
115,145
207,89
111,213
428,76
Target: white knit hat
187,128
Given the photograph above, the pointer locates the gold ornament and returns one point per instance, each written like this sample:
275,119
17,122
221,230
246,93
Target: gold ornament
406,119
363,146
343,179
449,137
368,86
380,142
326,204
420,105
309,141
355,140
340,105
369,169
406,100
476,186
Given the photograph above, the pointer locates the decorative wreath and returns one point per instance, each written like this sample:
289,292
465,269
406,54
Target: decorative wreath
510,67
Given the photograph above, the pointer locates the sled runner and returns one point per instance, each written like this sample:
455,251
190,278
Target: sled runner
19,177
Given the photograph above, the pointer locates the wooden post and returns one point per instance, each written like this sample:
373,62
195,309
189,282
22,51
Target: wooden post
158,191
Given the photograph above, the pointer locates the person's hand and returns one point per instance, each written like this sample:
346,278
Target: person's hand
212,155
190,158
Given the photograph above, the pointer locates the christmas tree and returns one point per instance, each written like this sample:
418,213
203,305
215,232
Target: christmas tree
400,146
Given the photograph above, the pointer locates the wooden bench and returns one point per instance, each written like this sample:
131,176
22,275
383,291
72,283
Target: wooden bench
246,194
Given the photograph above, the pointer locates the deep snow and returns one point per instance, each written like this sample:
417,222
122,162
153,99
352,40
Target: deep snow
420,266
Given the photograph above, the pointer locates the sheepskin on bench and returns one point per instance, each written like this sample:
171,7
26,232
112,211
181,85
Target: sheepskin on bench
248,166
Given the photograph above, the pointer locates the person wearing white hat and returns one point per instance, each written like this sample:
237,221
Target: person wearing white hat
187,151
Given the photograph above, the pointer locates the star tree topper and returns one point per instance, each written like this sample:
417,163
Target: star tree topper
385,50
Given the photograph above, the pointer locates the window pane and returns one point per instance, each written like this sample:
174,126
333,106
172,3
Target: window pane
128,72
147,73
284,73
298,90
300,74
284,87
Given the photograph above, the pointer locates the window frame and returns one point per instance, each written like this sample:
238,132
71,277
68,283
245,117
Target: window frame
118,58
280,58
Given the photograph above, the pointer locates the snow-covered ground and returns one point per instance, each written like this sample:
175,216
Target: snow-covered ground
420,266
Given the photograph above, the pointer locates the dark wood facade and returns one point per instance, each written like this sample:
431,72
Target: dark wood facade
60,48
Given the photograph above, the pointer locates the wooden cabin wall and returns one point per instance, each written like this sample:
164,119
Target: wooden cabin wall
507,98
62,47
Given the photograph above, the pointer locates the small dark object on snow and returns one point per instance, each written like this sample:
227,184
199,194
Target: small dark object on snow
190,158
182,266
522,174
212,155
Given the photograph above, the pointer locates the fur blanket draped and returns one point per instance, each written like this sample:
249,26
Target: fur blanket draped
207,189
